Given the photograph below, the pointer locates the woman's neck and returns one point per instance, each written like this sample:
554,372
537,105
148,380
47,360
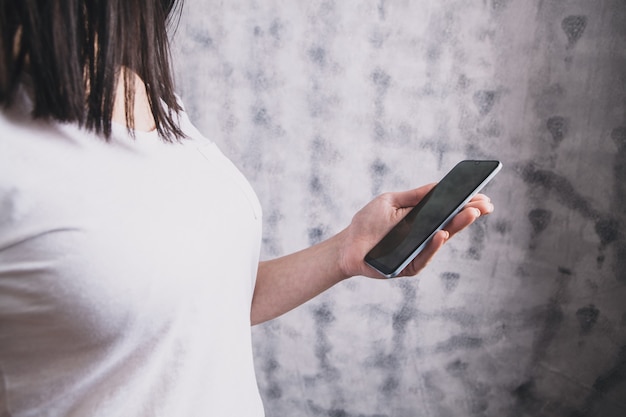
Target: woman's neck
142,115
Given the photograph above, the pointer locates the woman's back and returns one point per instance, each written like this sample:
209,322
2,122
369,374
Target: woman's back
126,274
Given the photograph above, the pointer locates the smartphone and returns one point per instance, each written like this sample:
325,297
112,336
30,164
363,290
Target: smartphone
406,239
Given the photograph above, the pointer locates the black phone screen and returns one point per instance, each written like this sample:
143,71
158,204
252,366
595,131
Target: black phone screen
411,234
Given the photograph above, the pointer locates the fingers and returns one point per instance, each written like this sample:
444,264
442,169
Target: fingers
426,255
482,202
472,211
480,197
478,206
400,202
465,217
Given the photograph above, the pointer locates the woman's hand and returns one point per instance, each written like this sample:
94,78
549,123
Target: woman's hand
286,282
374,220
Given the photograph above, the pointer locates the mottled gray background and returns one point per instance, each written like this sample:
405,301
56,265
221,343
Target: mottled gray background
324,104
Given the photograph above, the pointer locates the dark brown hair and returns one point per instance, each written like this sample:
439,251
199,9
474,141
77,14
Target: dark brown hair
73,51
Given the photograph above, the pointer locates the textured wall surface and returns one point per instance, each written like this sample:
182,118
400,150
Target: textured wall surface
324,104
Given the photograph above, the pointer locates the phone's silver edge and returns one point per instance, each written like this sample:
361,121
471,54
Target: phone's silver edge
445,222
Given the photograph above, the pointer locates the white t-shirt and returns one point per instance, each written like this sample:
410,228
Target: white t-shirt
126,274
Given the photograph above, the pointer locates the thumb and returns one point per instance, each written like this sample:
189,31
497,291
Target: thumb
409,198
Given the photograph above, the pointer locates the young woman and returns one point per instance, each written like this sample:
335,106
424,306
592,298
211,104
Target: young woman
129,245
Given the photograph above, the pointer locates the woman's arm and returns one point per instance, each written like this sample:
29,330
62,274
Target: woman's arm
287,282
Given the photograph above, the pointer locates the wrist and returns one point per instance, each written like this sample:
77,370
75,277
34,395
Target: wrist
344,260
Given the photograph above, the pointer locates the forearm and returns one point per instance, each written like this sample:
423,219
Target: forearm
287,282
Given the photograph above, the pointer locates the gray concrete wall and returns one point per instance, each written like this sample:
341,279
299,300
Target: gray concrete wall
324,104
